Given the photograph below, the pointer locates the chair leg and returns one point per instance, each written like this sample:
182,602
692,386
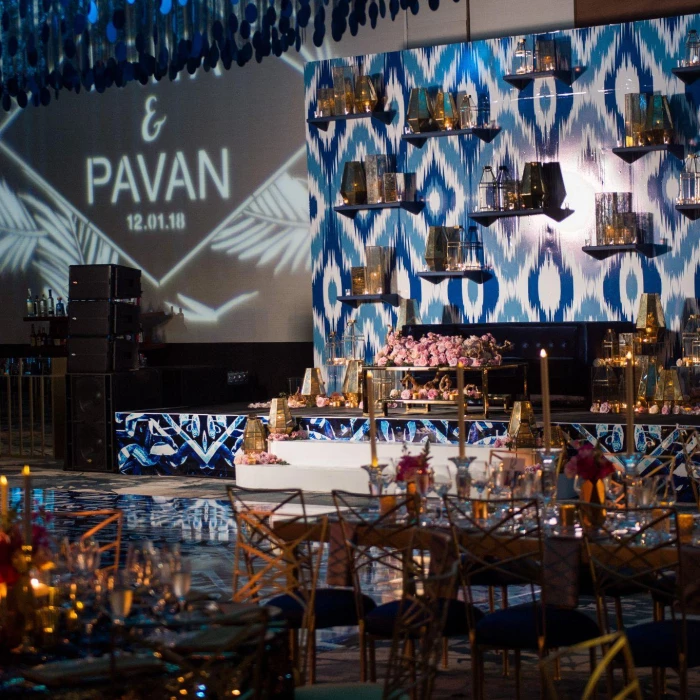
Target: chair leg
516,672
656,683
618,614
557,669
445,653
412,654
312,656
477,674
504,605
492,600
592,664
372,659
294,656
363,652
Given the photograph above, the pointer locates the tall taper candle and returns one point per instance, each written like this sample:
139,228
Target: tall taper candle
27,515
629,391
546,413
372,425
460,409
4,497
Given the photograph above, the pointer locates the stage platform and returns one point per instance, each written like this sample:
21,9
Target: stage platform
202,440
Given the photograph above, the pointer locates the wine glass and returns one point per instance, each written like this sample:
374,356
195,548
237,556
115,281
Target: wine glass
480,474
442,483
121,598
424,483
181,579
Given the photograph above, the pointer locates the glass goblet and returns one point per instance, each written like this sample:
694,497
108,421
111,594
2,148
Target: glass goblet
181,579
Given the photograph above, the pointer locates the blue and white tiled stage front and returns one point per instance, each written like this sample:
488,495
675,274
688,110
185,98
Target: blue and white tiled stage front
205,445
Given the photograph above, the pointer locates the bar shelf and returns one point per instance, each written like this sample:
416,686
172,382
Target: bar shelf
692,211
478,276
688,74
350,210
630,154
485,134
521,80
648,250
356,299
486,218
323,123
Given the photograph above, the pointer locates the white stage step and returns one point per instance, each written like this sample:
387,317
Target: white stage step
321,466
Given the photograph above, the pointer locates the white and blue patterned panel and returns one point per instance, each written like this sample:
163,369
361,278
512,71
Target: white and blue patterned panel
541,273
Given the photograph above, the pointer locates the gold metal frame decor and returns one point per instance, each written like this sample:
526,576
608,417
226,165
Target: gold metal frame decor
353,186
419,115
254,435
445,111
313,385
280,420
365,94
523,426
650,318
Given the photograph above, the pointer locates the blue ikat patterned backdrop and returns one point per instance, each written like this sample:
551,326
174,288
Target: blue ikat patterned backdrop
541,273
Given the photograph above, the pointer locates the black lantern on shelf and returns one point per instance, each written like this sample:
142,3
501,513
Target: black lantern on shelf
473,250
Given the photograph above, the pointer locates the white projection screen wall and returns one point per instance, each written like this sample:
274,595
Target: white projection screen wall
200,183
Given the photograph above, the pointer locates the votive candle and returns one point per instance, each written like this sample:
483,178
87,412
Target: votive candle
629,390
4,496
372,425
546,412
460,409
27,515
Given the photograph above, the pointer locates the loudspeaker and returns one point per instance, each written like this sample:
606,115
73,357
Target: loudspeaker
103,282
103,318
91,402
95,355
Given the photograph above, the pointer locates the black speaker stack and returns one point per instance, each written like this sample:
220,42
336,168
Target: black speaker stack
103,375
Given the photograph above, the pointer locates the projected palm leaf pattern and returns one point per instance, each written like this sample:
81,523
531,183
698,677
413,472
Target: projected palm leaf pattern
272,228
19,233
67,240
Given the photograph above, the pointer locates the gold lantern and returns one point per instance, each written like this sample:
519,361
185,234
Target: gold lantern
668,388
445,111
522,424
313,385
254,435
352,383
365,94
650,318
419,115
280,420
409,313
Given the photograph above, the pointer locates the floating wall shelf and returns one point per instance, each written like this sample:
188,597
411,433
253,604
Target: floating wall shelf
521,80
692,211
649,250
485,134
486,218
355,299
323,122
478,276
351,210
688,74
631,153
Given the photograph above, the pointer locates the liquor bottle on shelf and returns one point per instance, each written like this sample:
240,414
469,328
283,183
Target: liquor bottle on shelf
50,308
60,307
31,311
42,305
36,305
32,337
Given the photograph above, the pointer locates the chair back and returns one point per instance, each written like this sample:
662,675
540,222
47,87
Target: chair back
497,540
416,644
380,544
615,651
103,526
277,553
645,560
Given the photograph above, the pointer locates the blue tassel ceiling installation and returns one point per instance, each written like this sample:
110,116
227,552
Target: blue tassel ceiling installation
49,45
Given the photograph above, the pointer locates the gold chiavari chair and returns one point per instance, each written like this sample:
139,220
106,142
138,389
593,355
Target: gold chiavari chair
648,559
277,563
415,648
104,526
379,548
505,537
615,651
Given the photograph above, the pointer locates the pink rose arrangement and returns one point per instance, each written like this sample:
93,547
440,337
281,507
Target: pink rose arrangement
589,463
435,350
283,437
257,458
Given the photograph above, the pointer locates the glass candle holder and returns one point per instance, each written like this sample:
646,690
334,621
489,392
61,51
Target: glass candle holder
376,270
454,256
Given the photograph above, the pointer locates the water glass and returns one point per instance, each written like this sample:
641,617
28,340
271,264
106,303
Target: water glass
442,483
121,599
181,578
